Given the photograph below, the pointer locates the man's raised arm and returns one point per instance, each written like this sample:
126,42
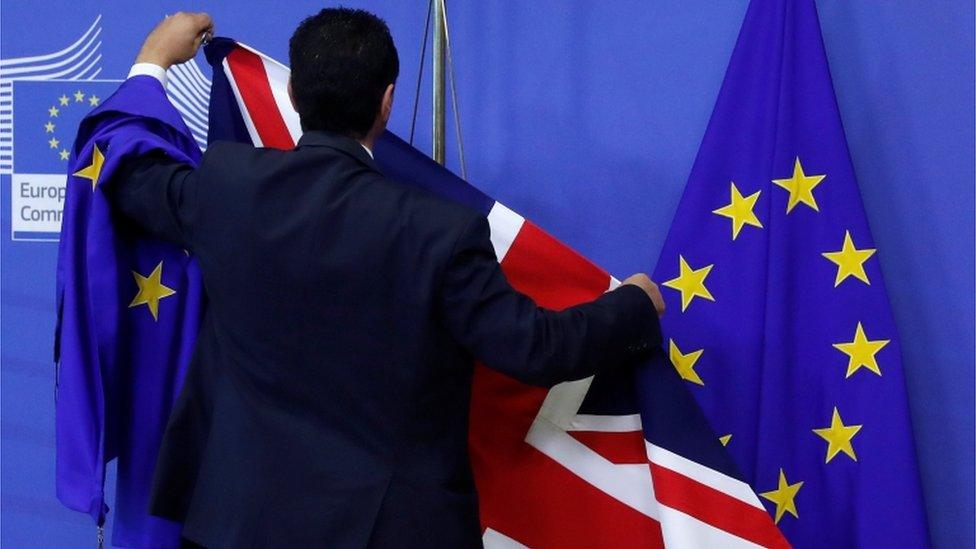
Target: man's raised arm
156,191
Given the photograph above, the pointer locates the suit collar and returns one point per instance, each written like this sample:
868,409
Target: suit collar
339,142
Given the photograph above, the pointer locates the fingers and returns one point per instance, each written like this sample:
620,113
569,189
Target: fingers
205,28
204,23
644,282
658,299
176,39
198,23
200,20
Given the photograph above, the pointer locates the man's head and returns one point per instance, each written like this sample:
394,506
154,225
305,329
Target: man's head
343,68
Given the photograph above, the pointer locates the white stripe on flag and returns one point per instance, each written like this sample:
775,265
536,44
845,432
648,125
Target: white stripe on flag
493,539
251,129
606,424
505,226
278,79
629,483
699,473
681,531
563,401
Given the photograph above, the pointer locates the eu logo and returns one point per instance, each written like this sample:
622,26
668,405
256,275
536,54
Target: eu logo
46,114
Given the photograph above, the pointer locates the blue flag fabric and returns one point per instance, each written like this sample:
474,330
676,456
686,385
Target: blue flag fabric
129,311
779,319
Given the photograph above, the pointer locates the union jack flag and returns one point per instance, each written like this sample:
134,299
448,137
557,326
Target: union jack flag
619,460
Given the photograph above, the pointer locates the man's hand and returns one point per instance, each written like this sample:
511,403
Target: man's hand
643,282
176,39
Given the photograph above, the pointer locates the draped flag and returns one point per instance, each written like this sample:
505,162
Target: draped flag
779,322
128,312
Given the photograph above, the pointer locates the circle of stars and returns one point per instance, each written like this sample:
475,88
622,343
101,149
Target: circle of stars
54,112
801,189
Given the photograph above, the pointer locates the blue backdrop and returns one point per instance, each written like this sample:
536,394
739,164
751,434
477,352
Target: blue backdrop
585,117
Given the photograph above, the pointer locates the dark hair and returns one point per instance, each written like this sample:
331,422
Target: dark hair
342,60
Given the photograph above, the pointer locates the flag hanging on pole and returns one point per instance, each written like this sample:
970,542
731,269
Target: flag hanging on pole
779,319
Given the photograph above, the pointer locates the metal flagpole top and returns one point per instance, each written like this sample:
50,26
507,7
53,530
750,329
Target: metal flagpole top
439,49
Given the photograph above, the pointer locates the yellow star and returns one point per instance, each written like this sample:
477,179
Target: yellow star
690,282
783,496
850,261
63,99
53,142
725,439
685,363
92,171
838,437
739,210
79,96
861,352
64,154
151,290
93,100
49,127
800,187
53,111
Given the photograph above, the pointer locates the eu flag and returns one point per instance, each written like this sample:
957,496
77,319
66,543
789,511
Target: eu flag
128,312
779,321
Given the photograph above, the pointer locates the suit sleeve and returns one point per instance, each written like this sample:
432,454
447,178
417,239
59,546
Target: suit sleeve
159,195
508,332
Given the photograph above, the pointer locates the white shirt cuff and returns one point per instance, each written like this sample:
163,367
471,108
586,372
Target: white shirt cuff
149,69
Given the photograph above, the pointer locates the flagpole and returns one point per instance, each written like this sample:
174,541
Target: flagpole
439,48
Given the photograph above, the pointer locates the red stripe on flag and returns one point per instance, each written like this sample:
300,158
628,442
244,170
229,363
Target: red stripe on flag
620,448
252,82
549,272
716,508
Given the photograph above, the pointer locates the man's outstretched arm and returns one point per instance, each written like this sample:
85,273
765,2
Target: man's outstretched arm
508,332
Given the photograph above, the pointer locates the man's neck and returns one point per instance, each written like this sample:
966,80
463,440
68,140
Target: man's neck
367,144
369,140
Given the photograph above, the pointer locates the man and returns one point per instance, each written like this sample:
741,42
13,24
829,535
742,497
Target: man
327,403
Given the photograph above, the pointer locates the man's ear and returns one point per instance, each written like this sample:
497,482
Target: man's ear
291,96
387,106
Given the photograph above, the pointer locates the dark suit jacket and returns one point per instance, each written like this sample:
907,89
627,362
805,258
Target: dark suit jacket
327,401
